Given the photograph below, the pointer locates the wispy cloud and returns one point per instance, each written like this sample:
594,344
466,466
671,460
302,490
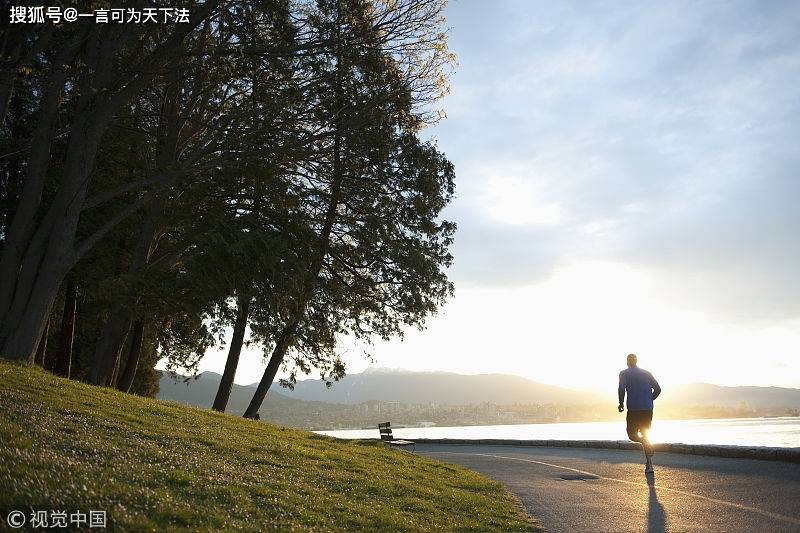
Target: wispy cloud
662,134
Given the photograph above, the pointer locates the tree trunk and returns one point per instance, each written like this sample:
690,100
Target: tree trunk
286,336
22,226
112,338
29,280
109,346
226,383
41,350
63,360
51,254
275,361
132,363
24,324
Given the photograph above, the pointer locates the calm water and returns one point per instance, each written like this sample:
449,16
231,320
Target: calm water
736,431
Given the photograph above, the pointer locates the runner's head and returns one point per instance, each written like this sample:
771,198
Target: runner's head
631,359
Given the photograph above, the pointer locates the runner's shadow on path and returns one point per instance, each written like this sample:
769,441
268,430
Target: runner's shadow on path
656,516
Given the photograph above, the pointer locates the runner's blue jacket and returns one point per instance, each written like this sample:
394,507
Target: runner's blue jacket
641,386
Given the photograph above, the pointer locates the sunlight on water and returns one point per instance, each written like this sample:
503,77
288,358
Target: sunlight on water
784,432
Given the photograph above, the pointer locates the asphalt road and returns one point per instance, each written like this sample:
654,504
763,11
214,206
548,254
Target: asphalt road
576,489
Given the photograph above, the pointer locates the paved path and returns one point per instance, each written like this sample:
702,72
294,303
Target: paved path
576,489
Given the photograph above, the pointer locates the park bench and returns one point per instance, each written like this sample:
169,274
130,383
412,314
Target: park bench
385,430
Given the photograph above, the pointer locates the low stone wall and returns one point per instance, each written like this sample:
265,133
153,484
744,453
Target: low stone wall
791,455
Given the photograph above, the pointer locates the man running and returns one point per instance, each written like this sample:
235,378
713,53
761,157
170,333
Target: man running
642,389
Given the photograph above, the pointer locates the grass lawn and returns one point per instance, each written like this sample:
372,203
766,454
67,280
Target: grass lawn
154,465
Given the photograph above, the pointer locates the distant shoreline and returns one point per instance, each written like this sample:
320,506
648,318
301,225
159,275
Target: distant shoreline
610,419
779,432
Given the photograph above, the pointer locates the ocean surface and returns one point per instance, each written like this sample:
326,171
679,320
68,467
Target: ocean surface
783,432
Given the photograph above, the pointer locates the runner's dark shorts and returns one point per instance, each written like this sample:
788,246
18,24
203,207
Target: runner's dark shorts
638,421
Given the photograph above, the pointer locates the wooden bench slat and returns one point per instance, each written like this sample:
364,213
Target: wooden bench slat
385,430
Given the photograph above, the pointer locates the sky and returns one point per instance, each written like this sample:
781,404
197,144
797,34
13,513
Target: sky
628,175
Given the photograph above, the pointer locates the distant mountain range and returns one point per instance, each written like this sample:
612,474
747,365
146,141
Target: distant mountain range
443,388
446,388
758,397
200,392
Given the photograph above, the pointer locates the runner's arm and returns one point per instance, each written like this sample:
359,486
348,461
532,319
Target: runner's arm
621,389
656,387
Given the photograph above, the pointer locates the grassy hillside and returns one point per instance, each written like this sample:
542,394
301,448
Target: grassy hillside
158,465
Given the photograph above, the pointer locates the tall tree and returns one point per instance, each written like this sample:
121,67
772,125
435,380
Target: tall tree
369,104
242,109
40,247
260,168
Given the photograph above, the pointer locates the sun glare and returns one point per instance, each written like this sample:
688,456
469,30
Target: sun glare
574,328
